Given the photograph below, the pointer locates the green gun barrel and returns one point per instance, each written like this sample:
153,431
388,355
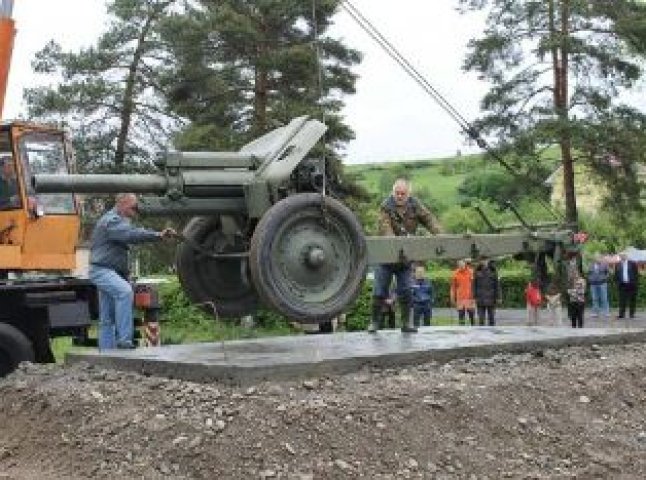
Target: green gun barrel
78,183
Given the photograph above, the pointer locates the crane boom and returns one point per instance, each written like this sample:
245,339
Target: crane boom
7,34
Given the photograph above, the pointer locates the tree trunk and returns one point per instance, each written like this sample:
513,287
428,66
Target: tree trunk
128,105
571,214
559,51
562,108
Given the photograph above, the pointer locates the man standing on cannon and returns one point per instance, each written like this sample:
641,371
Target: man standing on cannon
109,270
399,215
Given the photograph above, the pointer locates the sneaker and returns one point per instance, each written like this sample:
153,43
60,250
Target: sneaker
126,346
594,315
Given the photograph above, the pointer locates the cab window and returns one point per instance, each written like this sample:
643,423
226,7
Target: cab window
45,153
9,190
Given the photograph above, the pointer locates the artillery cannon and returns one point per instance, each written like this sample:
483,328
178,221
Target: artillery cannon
264,231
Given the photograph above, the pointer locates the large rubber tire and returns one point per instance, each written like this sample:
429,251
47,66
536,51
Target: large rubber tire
15,347
280,257
222,287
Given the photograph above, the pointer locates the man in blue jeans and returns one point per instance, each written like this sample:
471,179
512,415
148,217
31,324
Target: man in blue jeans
111,238
399,215
598,275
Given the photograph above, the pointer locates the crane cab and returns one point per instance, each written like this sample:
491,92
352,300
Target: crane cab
38,231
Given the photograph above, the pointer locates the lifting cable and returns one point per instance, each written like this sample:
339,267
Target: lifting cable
319,84
464,124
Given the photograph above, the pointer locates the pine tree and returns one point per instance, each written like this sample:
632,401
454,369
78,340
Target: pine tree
109,93
557,68
245,67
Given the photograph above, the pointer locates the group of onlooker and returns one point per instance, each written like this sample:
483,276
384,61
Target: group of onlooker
474,291
471,290
422,301
598,275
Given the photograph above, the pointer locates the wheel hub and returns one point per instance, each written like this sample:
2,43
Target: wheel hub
315,257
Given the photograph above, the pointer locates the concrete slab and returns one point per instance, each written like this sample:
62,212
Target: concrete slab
249,361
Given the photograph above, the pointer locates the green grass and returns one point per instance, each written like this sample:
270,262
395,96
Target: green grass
62,346
215,331
433,179
437,180
445,321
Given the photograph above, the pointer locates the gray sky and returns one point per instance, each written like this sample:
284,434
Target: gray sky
391,115
72,23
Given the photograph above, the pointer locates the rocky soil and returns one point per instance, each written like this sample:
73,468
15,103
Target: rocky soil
572,413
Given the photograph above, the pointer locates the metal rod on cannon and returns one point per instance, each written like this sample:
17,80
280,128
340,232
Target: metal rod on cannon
99,183
517,214
485,219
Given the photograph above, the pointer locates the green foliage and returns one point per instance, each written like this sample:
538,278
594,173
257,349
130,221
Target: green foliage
497,186
459,165
611,234
185,323
366,211
615,151
556,69
242,68
436,191
512,284
462,219
441,193
358,315
108,93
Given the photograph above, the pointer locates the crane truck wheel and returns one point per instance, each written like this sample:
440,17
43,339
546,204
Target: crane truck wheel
15,347
221,285
308,257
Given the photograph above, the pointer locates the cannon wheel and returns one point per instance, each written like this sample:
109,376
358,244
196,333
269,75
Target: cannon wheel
308,257
221,286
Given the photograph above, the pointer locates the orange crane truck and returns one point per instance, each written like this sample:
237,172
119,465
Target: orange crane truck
38,236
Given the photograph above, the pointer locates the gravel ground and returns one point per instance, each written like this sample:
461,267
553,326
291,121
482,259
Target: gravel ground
571,413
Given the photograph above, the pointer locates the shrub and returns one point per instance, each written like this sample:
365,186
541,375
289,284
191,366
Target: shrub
512,286
184,322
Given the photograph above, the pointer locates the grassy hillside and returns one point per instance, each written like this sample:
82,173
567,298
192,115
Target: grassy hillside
436,179
436,183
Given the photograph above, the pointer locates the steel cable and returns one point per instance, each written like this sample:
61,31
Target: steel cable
464,124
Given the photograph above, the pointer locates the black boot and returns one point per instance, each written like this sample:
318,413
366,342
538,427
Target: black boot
407,318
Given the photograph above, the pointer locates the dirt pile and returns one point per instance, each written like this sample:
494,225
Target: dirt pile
572,413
